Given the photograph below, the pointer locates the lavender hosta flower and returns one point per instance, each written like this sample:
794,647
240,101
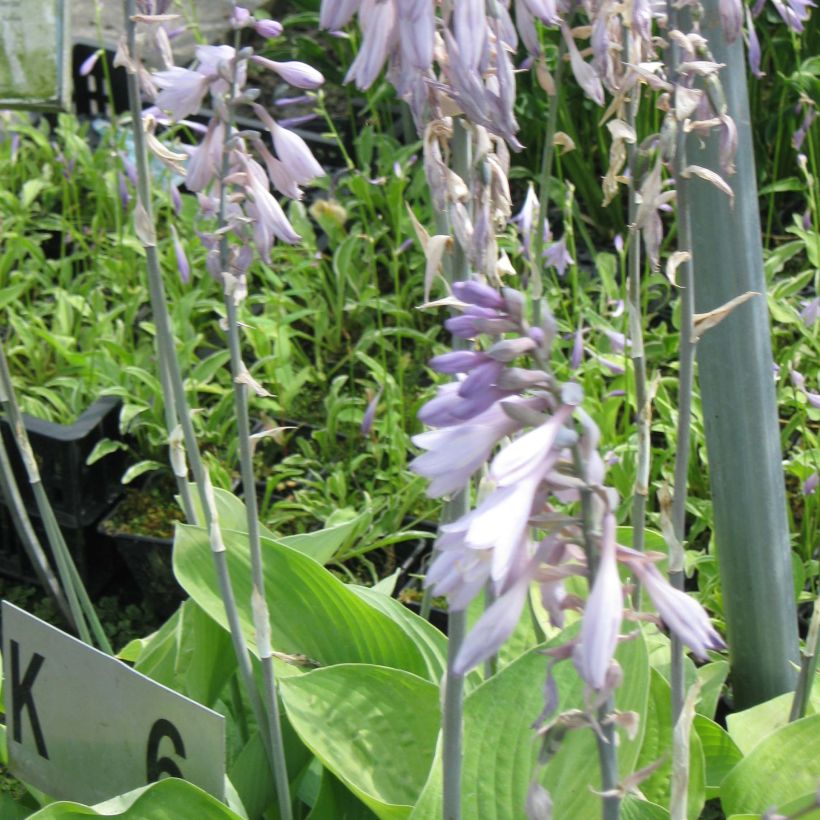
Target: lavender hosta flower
477,293
293,72
577,355
380,36
493,628
470,31
811,484
269,219
278,174
206,158
268,28
417,22
603,614
681,613
525,219
731,14
334,14
459,573
291,150
583,71
558,256
182,91
454,453
752,45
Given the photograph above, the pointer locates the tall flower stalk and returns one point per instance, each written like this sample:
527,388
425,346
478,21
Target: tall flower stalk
180,92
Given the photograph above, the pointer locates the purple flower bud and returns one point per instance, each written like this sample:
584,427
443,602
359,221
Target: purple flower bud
459,361
508,349
176,199
182,260
299,75
811,484
754,46
730,18
814,399
268,28
602,615
477,293
370,413
811,311
89,62
619,243
241,17
122,186
797,379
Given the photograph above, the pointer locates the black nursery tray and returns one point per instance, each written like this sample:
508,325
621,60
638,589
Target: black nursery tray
79,493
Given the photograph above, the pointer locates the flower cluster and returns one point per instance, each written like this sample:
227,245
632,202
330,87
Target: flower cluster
550,460
255,169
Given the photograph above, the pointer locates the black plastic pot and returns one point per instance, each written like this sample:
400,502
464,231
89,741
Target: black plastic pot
148,558
93,564
79,493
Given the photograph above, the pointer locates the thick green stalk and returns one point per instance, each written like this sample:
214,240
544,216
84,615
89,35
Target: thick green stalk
166,347
739,406
456,621
259,606
686,364
636,352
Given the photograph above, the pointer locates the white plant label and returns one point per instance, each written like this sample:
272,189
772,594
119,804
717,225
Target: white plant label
83,726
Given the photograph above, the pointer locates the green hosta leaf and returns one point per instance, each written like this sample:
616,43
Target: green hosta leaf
11,809
374,728
720,753
430,641
31,190
784,765
168,799
322,545
657,744
312,612
751,726
500,747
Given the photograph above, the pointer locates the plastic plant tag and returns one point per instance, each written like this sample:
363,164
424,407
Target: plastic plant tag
84,726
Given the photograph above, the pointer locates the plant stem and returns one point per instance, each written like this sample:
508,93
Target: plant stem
166,347
685,377
259,606
79,604
808,666
28,536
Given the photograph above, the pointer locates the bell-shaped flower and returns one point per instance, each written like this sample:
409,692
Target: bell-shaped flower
291,150
268,218
182,91
337,13
417,21
204,163
681,613
493,628
380,35
602,615
455,453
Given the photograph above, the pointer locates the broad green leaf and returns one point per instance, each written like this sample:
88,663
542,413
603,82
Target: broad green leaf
169,799
657,744
431,642
720,754
784,765
501,748
312,612
322,545
751,726
374,728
